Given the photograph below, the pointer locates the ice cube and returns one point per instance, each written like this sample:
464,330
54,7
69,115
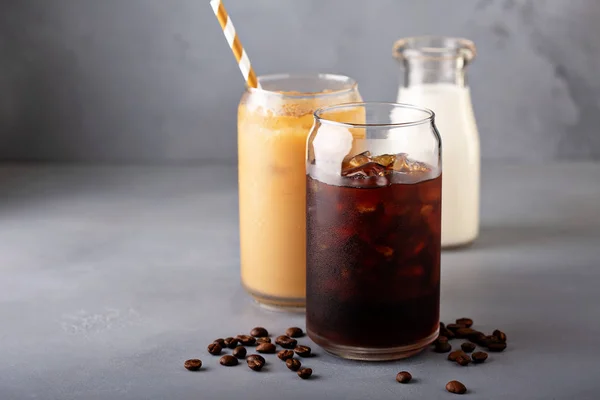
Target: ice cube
404,164
331,145
365,171
385,160
358,160
386,251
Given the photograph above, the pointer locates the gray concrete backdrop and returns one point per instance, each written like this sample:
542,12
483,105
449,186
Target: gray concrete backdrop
154,81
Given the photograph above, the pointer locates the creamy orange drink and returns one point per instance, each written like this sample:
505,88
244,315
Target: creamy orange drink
273,124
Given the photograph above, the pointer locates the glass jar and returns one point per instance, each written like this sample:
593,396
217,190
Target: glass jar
273,124
435,77
373,230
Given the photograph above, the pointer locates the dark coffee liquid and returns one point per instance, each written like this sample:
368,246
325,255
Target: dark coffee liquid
373,259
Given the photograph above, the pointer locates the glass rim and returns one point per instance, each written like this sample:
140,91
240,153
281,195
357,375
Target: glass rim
415,47
364,104
352,84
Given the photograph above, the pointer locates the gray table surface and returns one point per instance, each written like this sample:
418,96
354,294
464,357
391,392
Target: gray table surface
110,277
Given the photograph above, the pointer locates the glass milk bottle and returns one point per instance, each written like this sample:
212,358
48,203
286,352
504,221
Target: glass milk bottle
435,78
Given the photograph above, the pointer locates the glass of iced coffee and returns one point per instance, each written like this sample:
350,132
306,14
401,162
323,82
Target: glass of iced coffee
373,230
273,125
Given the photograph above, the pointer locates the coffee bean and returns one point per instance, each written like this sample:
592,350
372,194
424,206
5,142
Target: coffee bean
254,357
442,325
293,364
220,341
214,349
193,365
228,360
456,387
474,334
294,332
285,355
454,327
485,341
403,377
442,347
496,347
259,331
501,336
305,373
463,333
246,340
479,357
239,352
266,348
455,354
467,347
463,360
302,351
440,339
231,342
263,340
286,342
467,322
447,333
255,365
479,339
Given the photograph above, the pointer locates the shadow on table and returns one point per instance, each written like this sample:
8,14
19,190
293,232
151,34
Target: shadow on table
495,237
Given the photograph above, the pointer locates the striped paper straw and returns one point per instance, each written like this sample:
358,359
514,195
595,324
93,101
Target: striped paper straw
234,43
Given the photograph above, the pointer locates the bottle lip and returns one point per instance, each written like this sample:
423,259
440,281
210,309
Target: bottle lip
282,85
428,115
434,48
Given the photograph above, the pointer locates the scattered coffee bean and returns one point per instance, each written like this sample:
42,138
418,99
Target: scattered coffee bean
305,373
485,341
228,360
467,347
442,347
479,339
214,349
479,357
259,331
440,339
294,332
254,357
266,348
293,364
285,355
246,340
220,341
501,336
231,342
255,365
263,340
239,352
496,347
192,365
463,360
455,354
474,334
456,387
302,351
467,322
454,327
286,342
447,333
442,325
463,333
403,377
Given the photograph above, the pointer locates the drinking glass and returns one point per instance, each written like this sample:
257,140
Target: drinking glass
373,230
273,124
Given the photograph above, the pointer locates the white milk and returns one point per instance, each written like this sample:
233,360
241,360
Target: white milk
460,156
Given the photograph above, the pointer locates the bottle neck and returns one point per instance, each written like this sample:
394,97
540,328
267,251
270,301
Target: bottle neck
421,71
